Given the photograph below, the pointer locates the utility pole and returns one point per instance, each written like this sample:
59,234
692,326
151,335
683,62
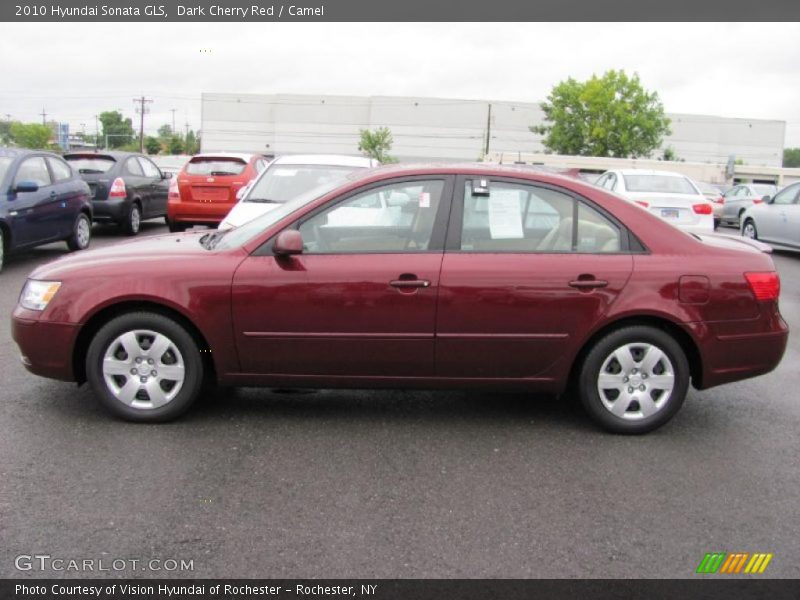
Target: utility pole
44,117
186,140
96,133
172,110
488,131
142,109
8,117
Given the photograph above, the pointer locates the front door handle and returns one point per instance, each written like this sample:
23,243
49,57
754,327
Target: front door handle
410,283
588,284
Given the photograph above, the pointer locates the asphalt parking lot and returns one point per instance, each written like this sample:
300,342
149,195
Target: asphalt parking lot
265,483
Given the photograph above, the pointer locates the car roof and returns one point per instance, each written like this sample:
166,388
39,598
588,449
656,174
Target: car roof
14,152
649,172
333,160
240,155
115,154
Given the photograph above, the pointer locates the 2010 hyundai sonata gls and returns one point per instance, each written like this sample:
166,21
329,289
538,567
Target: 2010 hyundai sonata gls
415,277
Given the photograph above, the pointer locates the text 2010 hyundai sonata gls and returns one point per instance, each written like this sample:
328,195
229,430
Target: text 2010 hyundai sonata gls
415,277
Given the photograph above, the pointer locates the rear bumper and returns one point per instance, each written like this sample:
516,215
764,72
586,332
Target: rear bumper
46,348
733,351
198,212
113,209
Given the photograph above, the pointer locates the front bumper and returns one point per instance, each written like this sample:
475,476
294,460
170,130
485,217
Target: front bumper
46,348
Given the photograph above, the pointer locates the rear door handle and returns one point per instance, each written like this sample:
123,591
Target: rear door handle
588,284
410,283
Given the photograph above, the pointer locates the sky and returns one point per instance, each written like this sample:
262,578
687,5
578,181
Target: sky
73,71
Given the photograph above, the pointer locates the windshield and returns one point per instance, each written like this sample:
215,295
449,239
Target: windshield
667,184
241,235
90,164
5,162
281,183
215,166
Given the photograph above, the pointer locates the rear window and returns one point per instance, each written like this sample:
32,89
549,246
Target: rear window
5,162
90,164
659,183
215,166
282,183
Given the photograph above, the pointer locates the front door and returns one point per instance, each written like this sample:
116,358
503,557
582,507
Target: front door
361,298
36,215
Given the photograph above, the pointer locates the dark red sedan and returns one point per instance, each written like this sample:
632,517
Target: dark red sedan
415,277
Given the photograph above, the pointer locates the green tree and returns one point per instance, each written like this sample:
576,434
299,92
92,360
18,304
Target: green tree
192,143
376,144
152,145
118,130
612,115
5,133
791,157
165,132
176,145
30,135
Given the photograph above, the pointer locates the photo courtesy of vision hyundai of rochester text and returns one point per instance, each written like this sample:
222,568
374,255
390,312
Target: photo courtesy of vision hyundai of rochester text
415,276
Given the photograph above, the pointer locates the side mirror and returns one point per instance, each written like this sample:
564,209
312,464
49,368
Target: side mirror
287,243
27,186
166,175
766,199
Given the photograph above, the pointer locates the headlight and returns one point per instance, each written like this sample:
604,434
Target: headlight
36,295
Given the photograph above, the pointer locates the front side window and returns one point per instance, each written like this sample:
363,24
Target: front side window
398,217
787,195
33,169
527,218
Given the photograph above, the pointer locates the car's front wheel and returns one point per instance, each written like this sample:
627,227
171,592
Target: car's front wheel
634,380
144,367
749,229
81,233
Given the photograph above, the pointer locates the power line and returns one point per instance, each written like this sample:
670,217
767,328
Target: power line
142,109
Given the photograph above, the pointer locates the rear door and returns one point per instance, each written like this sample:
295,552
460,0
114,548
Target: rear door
775,220
157,189
69,193
527,271
136,183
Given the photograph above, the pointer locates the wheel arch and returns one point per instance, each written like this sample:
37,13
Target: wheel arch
105,314
678,333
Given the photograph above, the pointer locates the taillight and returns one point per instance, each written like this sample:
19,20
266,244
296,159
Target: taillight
118,189
702,209
720,200
765,286
174,193
642,203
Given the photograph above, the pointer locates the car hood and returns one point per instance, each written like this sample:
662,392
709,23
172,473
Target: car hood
157,250
243,212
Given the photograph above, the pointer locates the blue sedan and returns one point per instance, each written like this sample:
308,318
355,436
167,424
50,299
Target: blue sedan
42,200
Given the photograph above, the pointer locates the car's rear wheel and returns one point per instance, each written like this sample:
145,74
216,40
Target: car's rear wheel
144,367
81,233
133,221
634,380
749,229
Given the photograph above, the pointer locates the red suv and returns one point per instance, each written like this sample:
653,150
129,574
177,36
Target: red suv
205,189
471,277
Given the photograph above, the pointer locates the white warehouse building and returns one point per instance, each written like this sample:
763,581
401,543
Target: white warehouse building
445,129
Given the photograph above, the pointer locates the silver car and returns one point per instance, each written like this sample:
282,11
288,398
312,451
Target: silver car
741,197
775,221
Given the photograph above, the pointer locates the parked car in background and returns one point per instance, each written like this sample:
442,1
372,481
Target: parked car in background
776,220
743,196
713,193
205,189
466,277
127,188
671,196
287,177
42,200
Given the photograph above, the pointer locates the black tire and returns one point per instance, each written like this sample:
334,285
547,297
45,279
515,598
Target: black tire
175,227
81,233
739,219
748,227
716,224
2,248
662,406
142,408
133,221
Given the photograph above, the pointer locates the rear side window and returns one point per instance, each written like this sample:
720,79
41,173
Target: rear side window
33,169
86,165
215,166
526,218
150,170
61,170
133,167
